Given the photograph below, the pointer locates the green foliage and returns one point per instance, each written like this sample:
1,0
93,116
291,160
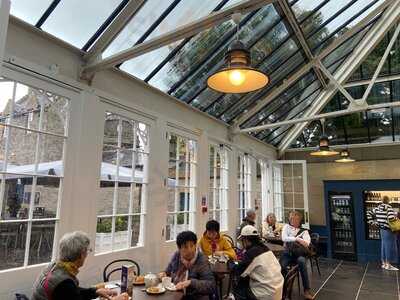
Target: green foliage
105,225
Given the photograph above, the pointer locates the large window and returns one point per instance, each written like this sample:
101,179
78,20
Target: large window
121,207
244,184
181,185
33,131
218,197
277,180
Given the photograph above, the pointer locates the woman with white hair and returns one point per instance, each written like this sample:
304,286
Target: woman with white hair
58,281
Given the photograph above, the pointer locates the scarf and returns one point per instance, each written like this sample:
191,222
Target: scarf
70,267
182,273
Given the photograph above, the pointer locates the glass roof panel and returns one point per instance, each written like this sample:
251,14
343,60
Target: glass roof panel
380,125
272,62
259,24
334,129
380,93
184,13
357,128
279,75
75,21
396,123
28,10
147,15
303,8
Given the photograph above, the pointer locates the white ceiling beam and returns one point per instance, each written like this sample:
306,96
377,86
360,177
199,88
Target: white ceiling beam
367,81
4,16
332,114
372,38
381,63
287,11
113,29
179,33
337,42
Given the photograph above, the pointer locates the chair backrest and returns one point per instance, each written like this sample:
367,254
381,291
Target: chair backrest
289,281
314,238
21,297
230,239
116,266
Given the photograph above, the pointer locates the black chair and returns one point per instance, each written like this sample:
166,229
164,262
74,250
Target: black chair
21,297
314,256
119,262
289,282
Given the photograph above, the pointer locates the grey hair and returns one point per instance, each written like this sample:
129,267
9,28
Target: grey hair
250,212
72,245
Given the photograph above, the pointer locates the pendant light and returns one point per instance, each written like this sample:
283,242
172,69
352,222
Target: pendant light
237,76
323,145
345,157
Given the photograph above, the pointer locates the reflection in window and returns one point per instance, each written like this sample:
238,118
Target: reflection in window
31,172
218,186
182,185
123,184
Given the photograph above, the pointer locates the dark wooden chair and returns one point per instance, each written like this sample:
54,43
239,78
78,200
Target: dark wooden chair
21,297
116,266
314,256
289,282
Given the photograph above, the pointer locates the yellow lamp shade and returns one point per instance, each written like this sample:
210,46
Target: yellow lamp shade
344,157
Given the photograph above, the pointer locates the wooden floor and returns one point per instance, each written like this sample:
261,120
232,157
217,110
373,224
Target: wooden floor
342,280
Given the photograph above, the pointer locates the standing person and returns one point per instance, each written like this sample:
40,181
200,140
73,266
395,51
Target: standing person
250,219
293,237
380,216
271,227
213,243
189,269
58,281
259,272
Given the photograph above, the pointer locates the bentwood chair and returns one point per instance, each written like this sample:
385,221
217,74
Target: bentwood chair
314,256
289,282
116,266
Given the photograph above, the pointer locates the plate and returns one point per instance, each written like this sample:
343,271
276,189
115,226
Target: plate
160,291
171,288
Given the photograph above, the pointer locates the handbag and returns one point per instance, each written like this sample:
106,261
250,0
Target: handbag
295,249
394,224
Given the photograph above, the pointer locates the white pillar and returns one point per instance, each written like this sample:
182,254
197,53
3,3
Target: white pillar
4,15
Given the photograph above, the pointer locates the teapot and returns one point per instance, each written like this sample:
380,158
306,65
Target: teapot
150,280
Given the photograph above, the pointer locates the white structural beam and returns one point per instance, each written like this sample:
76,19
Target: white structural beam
285,7
4,16
381,63
113,29
179,33
389,17
332,114
287,82
367,81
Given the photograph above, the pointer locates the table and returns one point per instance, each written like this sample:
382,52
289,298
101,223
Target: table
276,249
138,293
274,240
220,270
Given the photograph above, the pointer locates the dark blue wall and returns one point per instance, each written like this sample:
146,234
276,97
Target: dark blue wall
367,250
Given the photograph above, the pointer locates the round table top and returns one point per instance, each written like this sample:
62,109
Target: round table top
139,293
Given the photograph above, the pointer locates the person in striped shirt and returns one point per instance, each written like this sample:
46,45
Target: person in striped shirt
380,216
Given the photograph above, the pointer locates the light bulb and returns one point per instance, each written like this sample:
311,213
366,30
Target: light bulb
236,77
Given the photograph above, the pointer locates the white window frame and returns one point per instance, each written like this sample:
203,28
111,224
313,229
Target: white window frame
189,184
39,85
223,188
278,190
144,184
244,185
5,6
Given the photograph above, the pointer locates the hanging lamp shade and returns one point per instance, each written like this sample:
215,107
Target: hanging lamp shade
345,157
237,76
323,148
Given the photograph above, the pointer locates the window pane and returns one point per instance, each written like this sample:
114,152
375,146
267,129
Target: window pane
380,125
12,239
136,221
121,233
41,245
51,152
21,151
105,203
88,16
46,197
304,8
103,235
137,198
357,128
28,10
124,191
16,202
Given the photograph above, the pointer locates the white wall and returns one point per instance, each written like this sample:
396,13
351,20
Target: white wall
36,51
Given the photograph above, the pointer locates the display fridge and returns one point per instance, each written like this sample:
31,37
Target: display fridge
342,225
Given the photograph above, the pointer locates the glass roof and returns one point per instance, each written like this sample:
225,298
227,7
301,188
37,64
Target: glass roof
181,68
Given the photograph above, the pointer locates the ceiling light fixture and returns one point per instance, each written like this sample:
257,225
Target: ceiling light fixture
237,76
323,145
345,157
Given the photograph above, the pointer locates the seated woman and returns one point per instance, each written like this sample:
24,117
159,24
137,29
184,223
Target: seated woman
189,269
270,227
213,243
58,280
259,272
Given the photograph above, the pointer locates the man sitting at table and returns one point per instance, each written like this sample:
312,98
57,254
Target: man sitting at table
297,241
58,280
259,272
189,269
213,243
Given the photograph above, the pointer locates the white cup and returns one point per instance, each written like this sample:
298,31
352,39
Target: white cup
166,281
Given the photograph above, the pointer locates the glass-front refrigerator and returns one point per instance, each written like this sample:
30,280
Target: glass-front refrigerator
342,226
